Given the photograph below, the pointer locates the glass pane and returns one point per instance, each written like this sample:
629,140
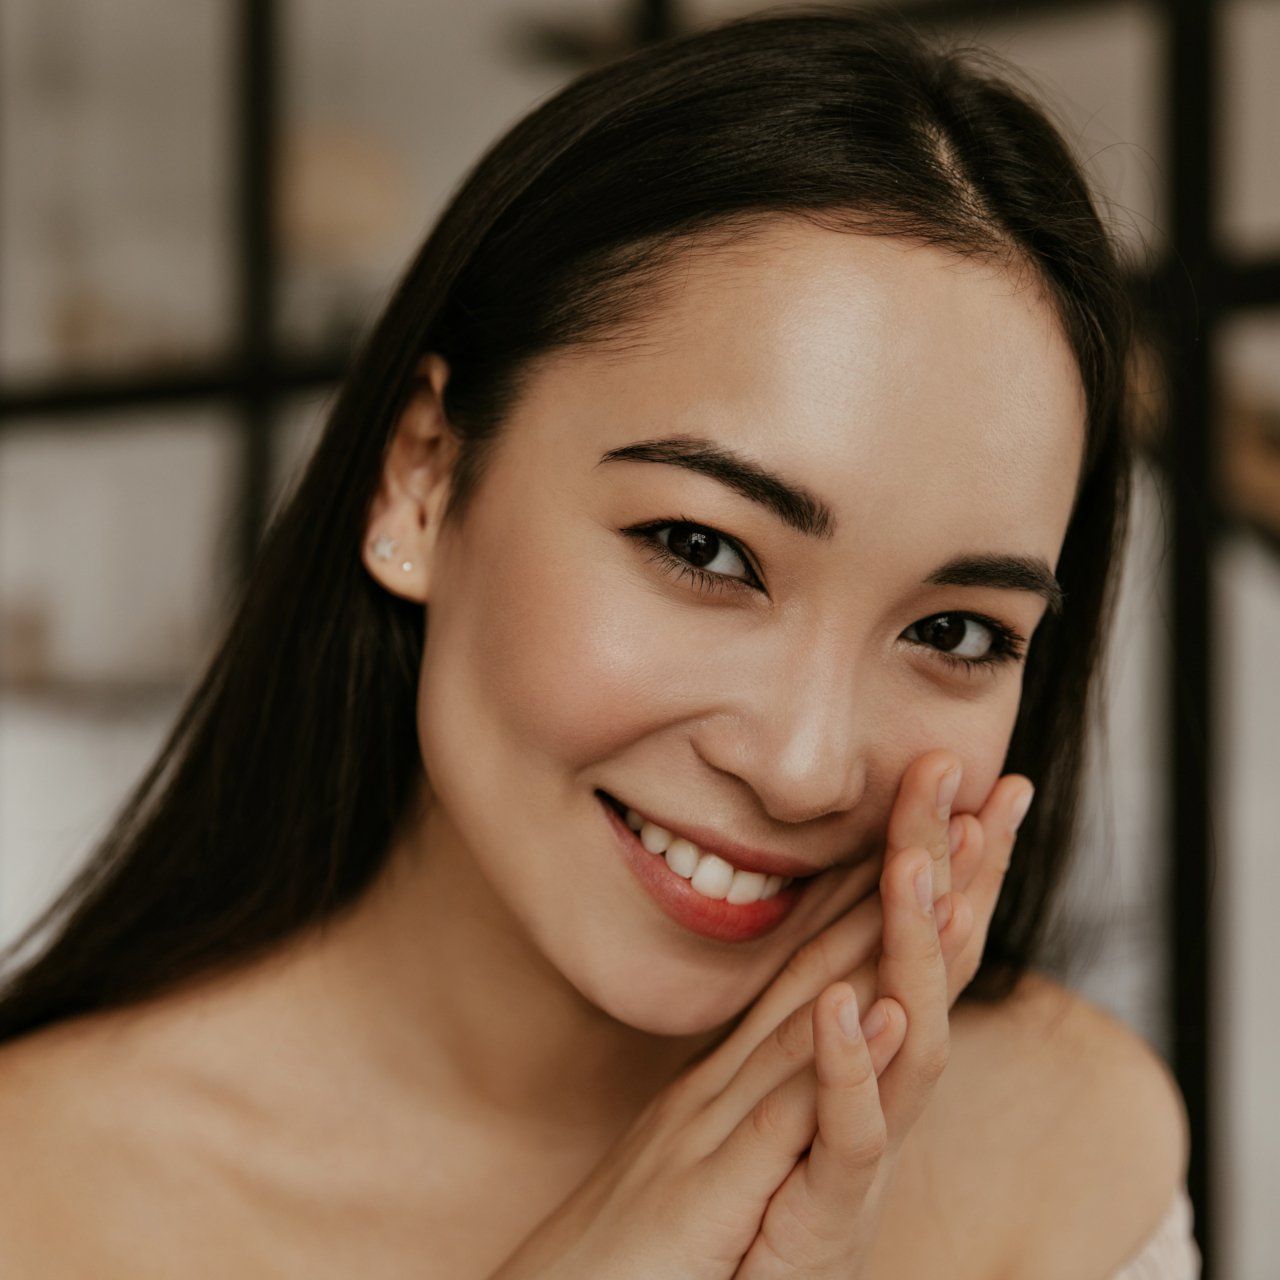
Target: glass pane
113,549
115,184
1250,124
387,105
1248,866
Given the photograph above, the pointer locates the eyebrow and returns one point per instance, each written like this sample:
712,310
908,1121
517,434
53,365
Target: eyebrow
800,509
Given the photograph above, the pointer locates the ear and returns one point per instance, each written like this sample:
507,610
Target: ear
403,523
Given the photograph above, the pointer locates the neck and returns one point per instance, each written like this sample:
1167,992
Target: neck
429,992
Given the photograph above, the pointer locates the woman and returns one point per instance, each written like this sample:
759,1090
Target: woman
708,552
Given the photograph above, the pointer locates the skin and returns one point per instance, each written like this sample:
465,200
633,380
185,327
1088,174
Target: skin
506,993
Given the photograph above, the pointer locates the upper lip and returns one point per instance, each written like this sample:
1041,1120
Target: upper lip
741,855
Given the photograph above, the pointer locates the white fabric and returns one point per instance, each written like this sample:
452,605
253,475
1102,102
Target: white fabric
1170,1252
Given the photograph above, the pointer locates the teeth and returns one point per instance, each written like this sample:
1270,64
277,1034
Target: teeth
713,876
682,858
708,873
747,886
655,839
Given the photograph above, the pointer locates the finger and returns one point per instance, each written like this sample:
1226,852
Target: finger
763,1145
912,971
921,813
955,938
849,941
789,1048
970,845
1000,817
852,1134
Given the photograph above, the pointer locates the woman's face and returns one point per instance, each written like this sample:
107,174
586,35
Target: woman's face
931,406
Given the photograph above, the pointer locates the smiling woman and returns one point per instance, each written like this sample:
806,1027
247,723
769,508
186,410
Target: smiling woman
591,848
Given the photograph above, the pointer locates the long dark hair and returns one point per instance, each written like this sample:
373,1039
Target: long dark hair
275,798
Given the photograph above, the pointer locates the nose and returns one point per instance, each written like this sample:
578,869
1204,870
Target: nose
795,738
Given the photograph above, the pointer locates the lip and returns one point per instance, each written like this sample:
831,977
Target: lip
741,855
710,917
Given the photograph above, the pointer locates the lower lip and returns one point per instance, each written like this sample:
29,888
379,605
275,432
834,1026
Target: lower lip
710,917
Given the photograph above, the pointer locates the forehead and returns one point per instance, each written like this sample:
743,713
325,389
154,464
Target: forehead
875,371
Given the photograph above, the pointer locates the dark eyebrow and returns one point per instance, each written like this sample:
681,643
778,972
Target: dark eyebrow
792,503
797,507
1009,573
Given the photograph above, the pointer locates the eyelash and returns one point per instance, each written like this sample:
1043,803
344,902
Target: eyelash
1007,645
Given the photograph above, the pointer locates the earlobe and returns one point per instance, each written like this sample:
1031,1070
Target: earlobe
383,548
395,567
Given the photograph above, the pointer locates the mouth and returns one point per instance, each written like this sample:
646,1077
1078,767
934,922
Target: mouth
700,890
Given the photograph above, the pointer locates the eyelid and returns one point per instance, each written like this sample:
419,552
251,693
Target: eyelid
649,530
1008,645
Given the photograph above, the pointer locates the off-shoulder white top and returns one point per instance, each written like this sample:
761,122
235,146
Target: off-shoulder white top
1170,1252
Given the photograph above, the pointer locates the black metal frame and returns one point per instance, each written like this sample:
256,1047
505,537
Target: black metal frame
1194,293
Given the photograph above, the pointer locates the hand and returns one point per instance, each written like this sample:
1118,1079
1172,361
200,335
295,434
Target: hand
821,1222
849,948
684,1193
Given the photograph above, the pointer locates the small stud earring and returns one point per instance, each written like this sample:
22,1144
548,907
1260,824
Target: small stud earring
406,565
383,547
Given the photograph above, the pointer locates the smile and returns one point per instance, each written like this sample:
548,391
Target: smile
700,890
709,874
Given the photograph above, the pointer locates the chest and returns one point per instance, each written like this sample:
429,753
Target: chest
438,1204
455,1218
466,1211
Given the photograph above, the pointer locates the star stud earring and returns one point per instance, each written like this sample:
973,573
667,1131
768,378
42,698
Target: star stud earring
383,547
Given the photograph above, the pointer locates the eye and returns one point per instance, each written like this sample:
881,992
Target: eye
967,640
696,551
684,548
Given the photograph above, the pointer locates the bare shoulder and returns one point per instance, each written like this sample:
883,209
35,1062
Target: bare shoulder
48,1153
82,1149
1093,1123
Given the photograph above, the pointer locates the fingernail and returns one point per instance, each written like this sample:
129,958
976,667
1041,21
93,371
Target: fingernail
875,1022
955,833
924,887
948,785
847,1016
1020,807
942,911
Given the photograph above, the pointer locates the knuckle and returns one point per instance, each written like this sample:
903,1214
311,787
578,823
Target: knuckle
768,1117
793,1035
861,1073
930,948
869,1145
810,964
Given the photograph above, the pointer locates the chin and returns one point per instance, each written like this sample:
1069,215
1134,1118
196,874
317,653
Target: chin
686,1005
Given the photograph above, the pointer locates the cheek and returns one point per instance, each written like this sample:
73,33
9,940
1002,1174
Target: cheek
977,730
555,650
981,740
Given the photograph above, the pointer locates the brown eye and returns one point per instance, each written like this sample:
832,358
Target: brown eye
967,640
710,559
948,632
698,545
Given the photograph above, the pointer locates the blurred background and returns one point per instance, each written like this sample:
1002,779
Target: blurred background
202,207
